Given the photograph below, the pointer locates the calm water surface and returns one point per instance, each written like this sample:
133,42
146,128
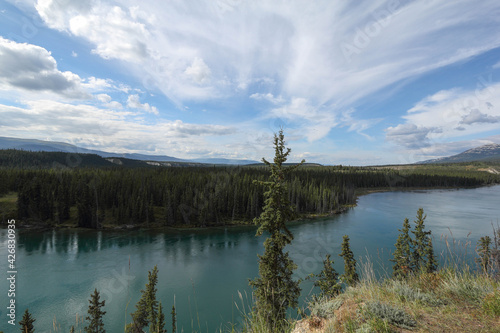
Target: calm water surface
206,270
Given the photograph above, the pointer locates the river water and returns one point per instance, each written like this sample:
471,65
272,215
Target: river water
206,271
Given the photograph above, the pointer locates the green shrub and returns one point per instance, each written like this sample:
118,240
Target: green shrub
408,294
325,308
466,288
491,304
394,316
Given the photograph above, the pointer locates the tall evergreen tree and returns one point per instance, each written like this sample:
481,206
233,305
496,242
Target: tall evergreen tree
147,307
95,314
27,322
402,254
160,325
174,319
484,251
431,263
274,289
350,276
328,279
421,242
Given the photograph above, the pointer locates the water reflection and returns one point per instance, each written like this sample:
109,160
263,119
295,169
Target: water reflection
182,245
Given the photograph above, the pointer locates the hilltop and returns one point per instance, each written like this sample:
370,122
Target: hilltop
486,153
53,146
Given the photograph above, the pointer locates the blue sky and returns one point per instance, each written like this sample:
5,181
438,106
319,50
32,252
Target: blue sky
354,83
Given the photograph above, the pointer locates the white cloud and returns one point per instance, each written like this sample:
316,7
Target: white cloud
475,116
133,102
32,68
198,71
243,50
267,97
357,125
314,123
409,135
298,45
107,101
116,33
449,115
105,129
104,98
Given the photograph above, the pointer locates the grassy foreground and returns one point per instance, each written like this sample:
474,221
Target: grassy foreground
446,301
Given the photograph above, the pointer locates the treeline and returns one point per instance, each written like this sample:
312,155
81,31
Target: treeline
166,196
197,196
21,159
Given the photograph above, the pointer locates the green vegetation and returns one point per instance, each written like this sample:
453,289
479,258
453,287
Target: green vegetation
350,276
450,299
327,280
413,255
75,190
147,311
419,297
275,290
95,314
26,322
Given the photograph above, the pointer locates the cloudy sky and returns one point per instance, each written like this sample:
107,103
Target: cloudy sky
351,82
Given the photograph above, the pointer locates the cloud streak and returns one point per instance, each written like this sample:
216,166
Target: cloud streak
32,68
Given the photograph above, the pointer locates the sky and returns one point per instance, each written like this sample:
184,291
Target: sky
349,82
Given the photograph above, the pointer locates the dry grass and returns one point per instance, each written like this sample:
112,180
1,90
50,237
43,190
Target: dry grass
446,301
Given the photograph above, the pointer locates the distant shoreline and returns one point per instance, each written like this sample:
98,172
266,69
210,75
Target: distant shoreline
183,228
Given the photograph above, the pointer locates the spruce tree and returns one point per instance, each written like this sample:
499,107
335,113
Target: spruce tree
484,251
27,322
174,327
147,307
95,314
431,263
328,279
350,277
275,290
420,243
402,254
160,325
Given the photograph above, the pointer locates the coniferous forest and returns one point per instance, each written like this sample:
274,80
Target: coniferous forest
95,193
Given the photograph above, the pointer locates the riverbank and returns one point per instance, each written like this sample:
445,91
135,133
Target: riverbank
8,205
451,300
163,228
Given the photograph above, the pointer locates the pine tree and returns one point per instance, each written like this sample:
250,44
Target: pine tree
160,325
484,252
328,279
147,307
275,289
420,243
27,323
431,263
174,327
350,277
95,314
402,254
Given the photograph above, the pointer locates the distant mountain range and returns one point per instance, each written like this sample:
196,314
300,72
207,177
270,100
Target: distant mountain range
486,153
52,146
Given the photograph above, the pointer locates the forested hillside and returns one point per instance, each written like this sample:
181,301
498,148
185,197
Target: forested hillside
94,194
